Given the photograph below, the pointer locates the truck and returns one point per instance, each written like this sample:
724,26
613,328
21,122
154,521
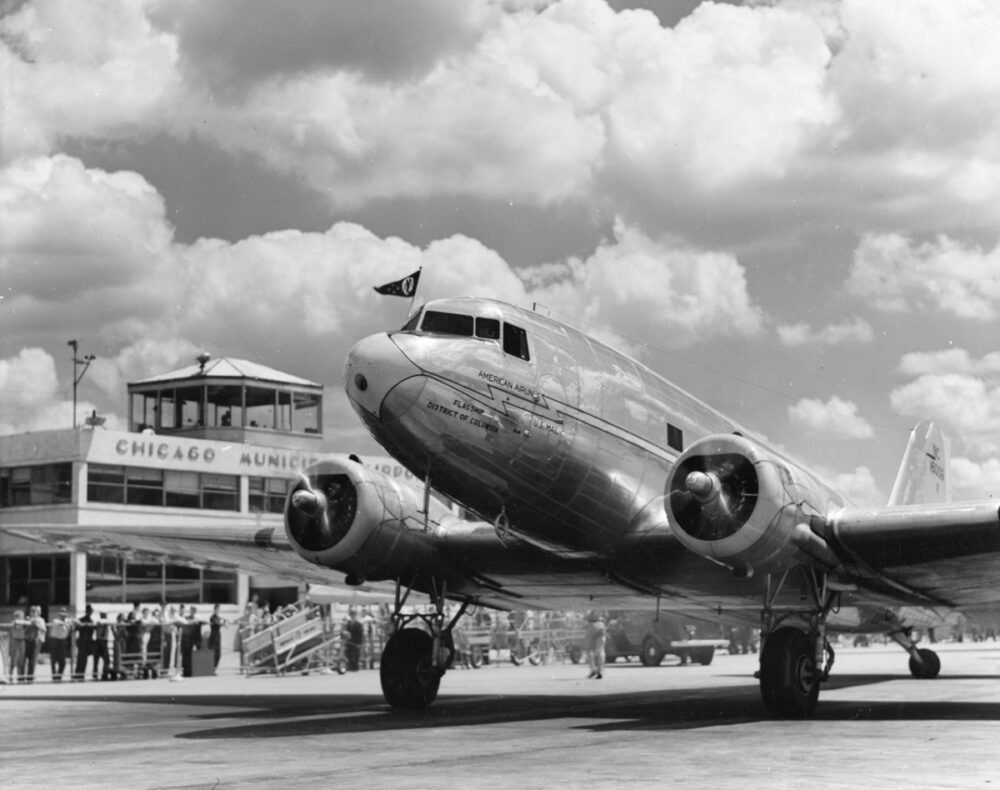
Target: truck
650,637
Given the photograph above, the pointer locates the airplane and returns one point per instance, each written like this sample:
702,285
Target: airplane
589,481
607,485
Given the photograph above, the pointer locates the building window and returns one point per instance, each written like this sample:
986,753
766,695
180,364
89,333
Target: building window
189,405
44,484
182,489
39,579
106,483
220,492
225,405
260,407
267,494
105,579
143,486
306,415
115,580
136,485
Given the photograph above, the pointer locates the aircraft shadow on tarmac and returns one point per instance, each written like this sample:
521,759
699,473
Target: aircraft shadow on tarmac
269,716
669,709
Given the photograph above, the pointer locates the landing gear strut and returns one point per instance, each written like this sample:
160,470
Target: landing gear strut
795,659
415,657
924,663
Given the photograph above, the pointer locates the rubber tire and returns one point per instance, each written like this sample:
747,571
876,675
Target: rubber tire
476,657
409,679
702,655
789,678
574,653
930,666
652,655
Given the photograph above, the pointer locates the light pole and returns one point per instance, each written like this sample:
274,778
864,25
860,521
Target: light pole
77,362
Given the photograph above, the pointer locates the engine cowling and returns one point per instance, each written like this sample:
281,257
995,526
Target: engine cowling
742,505
353,518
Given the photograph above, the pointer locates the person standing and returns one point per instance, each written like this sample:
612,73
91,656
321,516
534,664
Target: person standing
104,645
18,629
596,635
354,637
59,631
34,638
190,640
84,628
215,623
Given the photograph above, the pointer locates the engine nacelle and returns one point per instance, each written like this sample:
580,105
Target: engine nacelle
344,515
739,504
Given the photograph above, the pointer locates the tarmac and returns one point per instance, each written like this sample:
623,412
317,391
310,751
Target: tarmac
515,727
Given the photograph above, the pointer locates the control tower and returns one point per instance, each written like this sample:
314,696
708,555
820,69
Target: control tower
230,400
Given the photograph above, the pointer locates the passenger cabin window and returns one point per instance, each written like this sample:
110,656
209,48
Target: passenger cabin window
488,328
447,324
515,341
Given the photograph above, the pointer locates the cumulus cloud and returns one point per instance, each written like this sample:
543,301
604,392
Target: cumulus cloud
82,70
31,398
96,246
895,274
852,330
639,288
836,417
972,480
952,360
860,487
966,406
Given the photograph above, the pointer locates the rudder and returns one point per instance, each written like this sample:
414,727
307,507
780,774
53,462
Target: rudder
923,476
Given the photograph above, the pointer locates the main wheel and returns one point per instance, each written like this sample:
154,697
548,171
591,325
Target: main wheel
703,655
651,655
927,667
409,678
789,678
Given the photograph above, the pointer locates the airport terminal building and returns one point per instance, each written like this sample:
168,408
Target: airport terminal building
212,444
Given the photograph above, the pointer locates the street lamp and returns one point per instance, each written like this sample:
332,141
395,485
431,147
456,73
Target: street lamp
77,362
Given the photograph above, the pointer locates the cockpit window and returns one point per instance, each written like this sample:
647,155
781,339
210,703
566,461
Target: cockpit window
488,328
515,341
411,324
447,324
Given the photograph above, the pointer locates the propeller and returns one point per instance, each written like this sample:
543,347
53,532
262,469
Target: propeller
319,518
713,496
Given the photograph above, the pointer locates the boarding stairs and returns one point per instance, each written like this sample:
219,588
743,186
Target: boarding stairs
302,640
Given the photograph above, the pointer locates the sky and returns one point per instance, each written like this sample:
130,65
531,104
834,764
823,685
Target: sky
790,208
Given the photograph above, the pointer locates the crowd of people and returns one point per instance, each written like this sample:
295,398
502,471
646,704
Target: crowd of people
146,642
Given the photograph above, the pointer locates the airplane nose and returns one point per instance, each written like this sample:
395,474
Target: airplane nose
377,375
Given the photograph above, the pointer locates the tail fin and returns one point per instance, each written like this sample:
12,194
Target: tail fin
923,477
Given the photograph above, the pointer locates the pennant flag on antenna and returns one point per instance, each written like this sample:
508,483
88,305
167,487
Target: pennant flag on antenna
406,287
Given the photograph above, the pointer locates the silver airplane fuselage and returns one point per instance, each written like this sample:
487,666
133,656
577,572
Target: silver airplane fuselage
562,442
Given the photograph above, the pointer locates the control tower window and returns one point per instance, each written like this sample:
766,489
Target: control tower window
189,402
168,416
260,408
447,324
225,405
515,341
306,417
